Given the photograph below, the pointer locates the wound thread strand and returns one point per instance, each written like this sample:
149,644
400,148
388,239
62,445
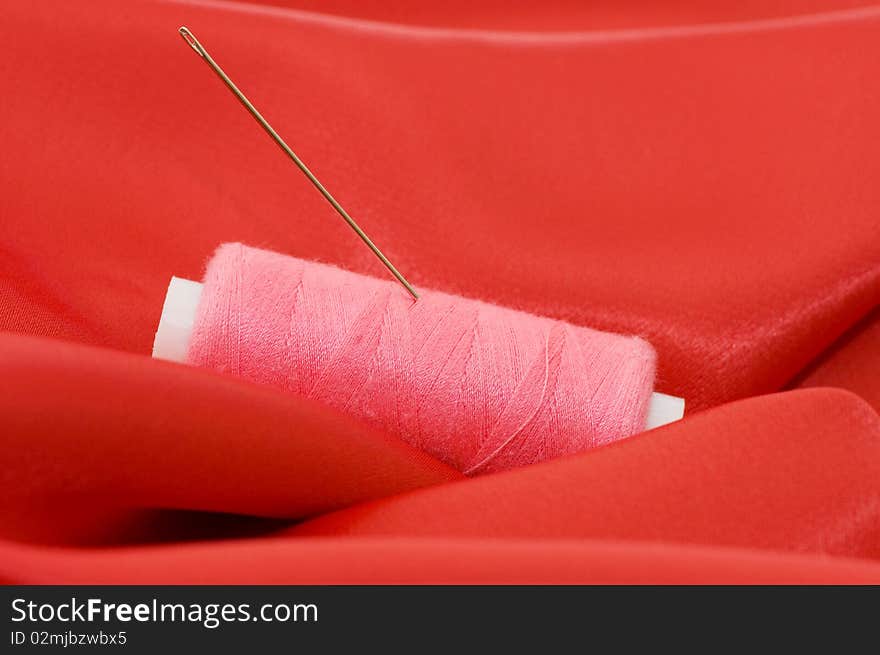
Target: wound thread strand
481,387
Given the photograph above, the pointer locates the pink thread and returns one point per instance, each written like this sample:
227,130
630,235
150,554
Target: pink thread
478,386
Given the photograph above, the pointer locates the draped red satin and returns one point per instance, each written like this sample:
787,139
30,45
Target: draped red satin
701,174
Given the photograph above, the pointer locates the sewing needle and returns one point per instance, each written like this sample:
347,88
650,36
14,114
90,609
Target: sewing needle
200,50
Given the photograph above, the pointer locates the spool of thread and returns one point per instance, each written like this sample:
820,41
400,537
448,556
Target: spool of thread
481,387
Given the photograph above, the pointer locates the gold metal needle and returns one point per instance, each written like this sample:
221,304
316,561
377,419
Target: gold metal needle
193,42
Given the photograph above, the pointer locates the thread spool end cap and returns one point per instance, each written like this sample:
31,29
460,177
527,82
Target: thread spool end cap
663,409
178,317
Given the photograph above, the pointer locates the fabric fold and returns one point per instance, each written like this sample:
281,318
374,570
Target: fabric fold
89,432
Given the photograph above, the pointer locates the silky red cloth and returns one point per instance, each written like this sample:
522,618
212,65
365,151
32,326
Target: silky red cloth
701,175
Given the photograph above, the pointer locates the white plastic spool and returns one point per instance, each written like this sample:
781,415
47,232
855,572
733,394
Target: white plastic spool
179,313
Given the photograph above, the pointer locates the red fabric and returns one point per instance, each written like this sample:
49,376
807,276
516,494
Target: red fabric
851,362
418,561
703,175
92,435
763,472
